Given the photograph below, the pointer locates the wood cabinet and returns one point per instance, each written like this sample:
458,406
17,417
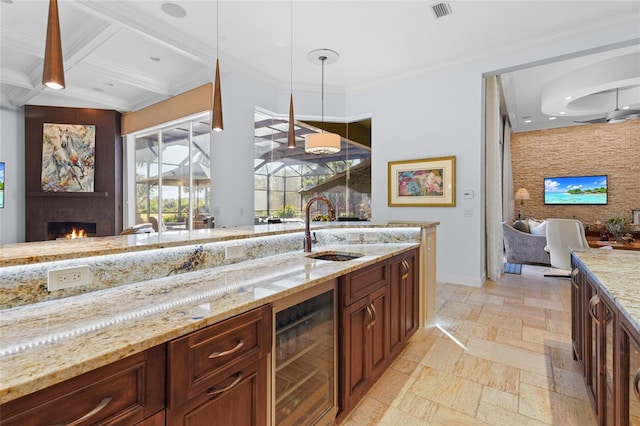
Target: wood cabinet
403,297
379,313
219,375
364,337
628,376
608,349
126,392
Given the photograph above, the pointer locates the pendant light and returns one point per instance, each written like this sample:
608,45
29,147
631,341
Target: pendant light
53,70
323,142
216,122
292,128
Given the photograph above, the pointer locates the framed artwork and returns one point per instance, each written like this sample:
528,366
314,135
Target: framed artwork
635,216
1,185
428,182
68,157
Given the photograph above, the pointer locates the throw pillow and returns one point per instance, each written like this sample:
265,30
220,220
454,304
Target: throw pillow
538,228
521,226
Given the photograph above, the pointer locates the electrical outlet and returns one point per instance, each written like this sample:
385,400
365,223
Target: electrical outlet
59,279
371,237
234,252
354,237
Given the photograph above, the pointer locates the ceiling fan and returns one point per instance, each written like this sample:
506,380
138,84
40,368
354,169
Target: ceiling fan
615,116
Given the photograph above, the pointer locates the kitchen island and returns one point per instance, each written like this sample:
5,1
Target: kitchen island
52,340
605,330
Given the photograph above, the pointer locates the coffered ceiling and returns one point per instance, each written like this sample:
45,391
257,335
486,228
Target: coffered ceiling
128,54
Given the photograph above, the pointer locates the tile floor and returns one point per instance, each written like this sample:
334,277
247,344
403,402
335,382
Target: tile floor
497,355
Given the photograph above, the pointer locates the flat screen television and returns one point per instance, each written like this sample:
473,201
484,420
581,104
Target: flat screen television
576,190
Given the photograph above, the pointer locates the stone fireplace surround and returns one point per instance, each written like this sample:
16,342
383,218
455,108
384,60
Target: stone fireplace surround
103,207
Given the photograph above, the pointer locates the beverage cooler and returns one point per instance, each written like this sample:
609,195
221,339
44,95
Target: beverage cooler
304,358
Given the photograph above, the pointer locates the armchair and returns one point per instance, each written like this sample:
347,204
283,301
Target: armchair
521,247
564,236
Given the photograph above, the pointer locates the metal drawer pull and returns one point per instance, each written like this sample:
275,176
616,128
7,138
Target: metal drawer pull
214,391
575,272
91,413
636,383
405,274
230,351
375,315
370,317
592,305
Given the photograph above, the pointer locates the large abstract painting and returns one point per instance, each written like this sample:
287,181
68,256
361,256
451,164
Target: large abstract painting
68,155
428,182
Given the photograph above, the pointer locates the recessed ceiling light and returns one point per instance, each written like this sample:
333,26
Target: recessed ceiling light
154,58
526,119
568,98
625,107
562,113
173,10
552,118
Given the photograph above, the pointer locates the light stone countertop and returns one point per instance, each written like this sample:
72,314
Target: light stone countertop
48,342
618,273
49,251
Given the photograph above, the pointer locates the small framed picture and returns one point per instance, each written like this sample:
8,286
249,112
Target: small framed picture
427,182
635,216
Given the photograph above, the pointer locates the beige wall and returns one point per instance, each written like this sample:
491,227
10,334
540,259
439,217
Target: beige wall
592,149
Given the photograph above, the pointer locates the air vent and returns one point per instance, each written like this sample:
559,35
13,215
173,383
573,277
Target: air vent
441,9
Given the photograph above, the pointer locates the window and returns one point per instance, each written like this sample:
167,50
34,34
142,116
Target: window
285,179
172,176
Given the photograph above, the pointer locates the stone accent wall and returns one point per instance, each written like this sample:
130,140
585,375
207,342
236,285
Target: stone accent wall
590,149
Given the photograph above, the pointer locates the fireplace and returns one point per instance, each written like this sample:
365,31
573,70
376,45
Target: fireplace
61,230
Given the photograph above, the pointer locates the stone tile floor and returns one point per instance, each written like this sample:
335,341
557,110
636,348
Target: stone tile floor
497,355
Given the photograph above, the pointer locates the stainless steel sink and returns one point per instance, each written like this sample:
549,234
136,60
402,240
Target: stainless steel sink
335,256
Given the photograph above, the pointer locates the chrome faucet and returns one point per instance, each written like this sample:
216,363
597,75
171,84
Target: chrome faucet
307,232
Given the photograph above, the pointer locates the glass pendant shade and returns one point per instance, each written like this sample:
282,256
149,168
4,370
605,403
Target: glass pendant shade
53,70
322,143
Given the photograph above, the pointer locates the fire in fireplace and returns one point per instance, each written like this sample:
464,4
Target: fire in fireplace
70,230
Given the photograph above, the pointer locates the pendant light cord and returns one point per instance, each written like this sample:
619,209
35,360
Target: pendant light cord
291,47
217,31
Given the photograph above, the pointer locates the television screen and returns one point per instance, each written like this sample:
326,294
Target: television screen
576,190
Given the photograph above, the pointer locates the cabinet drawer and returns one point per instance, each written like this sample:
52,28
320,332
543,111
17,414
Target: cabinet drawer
361,283
122,393
196,361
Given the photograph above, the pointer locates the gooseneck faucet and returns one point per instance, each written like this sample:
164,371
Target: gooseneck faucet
307,232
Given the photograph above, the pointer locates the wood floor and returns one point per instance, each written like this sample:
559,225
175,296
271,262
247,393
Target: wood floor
497,355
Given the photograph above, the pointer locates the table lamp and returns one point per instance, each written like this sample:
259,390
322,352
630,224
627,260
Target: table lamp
521,195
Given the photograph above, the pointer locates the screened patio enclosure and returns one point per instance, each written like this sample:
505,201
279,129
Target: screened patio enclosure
173,175
285,179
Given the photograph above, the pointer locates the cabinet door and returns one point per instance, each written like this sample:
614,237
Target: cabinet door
411,294
577,312
356,323
628,385
608,324
397,296
379,331
124,392
239,400
591,321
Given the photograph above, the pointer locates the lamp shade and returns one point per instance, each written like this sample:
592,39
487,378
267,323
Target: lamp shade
53,70
322,143
522,194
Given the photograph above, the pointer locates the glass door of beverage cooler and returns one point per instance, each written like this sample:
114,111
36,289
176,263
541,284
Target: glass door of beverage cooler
304,358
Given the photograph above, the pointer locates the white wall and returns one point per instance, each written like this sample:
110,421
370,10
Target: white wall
12,154
441,113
